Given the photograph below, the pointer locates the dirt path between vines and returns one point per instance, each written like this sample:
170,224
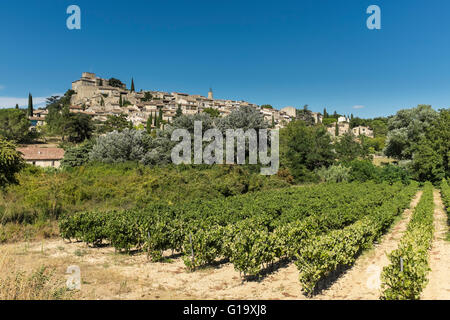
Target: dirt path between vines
439,277
362,281
109,275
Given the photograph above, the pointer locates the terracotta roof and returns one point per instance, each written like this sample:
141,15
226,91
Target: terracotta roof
38,153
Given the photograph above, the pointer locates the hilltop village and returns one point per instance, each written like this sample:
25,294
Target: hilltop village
102,97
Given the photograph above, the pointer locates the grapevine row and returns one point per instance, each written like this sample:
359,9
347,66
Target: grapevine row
322,256
406,276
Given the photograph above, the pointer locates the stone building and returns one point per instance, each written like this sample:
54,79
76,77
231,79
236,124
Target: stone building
42,157
361,130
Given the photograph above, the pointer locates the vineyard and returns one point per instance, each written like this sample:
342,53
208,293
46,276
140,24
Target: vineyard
406,276
322,228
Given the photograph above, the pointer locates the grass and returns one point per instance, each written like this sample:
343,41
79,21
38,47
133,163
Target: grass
80,253
38,284
18,232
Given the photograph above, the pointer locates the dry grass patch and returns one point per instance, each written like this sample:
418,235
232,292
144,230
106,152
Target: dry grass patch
39,284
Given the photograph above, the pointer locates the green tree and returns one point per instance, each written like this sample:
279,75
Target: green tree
11,162
14,125
377,143
266,106
160,117
379,127
17,106
113,82
117,123
304,149
305,115
406,129
179,112
427,164
57,108
120,101
362,170
30,105
147,97
430,161
214,113
77,156
336,130
77,127
328,121
132,85
347,148
245,118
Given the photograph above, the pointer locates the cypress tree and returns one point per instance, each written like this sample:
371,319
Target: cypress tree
149,124
120,101
325,114
160,119
132,85
30,105
336,130
273,122
17,106
179,111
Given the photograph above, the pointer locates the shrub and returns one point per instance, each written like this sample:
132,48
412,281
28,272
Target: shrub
335,173
11,162
392,173
114,147
362,170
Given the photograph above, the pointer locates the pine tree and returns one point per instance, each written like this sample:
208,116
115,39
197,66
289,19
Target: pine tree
336,130
132,85
30,105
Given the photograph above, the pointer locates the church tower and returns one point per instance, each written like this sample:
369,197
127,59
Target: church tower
210,94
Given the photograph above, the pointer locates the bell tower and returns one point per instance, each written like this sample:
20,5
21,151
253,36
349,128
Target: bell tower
210,94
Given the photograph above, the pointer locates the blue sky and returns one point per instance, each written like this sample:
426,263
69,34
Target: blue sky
284,53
